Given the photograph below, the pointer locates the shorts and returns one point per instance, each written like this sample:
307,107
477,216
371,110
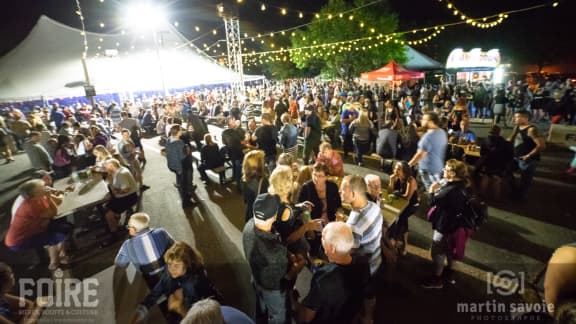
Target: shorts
122,204
56,233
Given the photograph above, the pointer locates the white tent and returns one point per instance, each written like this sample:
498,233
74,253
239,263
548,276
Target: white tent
419,61
48,63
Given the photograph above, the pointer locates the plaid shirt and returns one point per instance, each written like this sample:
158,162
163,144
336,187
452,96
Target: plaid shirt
146,247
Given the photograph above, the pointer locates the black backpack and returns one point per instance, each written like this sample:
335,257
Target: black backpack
475,213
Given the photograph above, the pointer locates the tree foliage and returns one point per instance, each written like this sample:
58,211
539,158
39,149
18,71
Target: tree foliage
369,26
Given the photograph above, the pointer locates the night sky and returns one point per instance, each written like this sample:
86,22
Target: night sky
545,34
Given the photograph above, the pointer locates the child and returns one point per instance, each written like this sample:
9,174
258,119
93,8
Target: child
11,310
184,282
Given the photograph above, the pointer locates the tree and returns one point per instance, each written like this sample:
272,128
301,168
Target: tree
348,44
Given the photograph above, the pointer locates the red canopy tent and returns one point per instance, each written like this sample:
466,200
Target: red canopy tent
391,72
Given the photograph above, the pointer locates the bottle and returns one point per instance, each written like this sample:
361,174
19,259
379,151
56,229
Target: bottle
306,216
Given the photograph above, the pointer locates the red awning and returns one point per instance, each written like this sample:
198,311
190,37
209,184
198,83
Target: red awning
391,72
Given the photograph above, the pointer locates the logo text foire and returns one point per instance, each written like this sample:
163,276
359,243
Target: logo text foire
61,292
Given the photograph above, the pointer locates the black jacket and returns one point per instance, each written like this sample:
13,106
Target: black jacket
308,193
450,202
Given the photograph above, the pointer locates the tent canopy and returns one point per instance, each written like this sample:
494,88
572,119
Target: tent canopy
418,61
47,63
391,72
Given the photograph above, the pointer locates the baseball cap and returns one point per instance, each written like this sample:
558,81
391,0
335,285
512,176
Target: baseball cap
266,206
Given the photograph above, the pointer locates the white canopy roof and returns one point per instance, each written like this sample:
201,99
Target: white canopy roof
419,61
48,63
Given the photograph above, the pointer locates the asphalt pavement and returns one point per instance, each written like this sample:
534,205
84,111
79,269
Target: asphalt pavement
515,243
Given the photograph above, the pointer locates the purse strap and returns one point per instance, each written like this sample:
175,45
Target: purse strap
260,185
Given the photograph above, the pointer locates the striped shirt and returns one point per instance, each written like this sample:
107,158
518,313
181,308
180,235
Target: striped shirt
366,226
146,247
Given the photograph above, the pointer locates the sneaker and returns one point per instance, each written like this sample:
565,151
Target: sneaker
144,188
433,283
449,276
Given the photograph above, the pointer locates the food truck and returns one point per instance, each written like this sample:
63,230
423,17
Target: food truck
474,66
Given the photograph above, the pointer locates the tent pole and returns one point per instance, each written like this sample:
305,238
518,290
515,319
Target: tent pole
87,79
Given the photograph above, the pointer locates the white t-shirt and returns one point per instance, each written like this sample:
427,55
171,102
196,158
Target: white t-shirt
124,180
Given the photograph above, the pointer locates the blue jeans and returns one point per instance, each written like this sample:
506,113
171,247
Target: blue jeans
272,306
361,148
428,178
237,171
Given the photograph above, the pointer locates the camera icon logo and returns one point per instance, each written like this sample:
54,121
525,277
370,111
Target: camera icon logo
505,282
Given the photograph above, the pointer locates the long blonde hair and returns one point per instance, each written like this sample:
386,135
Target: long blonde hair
281,181
363,119
253,165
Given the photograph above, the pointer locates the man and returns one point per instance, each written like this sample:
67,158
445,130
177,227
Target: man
431,151
336,289
349,114
144,249
56,195
57,116
387,142
528,143
312,134
374,185
280,108
465,135
20,129
33,225
39,157
133,126
232,138
175,157
268,260
115,114
266,138
209,311
367,226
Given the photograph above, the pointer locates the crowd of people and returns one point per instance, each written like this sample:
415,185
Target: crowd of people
298,215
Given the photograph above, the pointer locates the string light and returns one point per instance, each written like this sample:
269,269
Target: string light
83,33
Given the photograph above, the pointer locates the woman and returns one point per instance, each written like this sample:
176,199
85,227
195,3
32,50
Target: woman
32,226
15,309
324,198
459,112
98,138
184,282
289,225
124,190
403,184
362,130
323,194
64,156
254,177
331,159
210,157
83,149
391,114
448,201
